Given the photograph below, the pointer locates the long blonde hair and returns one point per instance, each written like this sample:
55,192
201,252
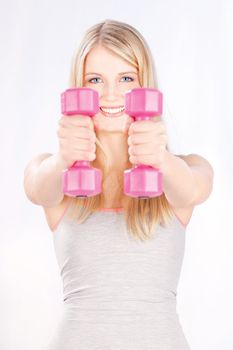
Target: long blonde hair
141,215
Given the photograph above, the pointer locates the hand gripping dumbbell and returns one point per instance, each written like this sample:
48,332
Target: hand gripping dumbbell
143,181
80,180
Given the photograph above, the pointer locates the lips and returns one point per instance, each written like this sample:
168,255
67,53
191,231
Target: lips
115,111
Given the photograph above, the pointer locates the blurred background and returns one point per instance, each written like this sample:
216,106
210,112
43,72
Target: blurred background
192,45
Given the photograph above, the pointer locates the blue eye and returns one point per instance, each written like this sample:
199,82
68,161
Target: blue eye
94,80
129,78
91,80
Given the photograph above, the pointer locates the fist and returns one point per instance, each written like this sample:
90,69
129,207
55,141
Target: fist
76,139
147,142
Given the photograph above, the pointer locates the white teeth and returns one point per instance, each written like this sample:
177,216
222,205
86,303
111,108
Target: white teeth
112,110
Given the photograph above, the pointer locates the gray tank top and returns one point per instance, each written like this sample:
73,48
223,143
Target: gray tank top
119,292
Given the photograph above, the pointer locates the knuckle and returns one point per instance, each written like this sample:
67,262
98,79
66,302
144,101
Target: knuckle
131,151
131,139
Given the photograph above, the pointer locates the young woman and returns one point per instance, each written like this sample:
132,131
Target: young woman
120,257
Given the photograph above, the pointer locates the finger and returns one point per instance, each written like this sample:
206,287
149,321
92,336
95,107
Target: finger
141,138
145,159
146,125
84,121
145,149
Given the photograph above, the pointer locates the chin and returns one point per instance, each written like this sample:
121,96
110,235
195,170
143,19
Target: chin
112,124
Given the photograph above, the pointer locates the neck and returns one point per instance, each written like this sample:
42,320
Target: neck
113,167
115,144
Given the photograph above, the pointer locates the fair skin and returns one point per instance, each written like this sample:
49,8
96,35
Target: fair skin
111,86
112,132
187,180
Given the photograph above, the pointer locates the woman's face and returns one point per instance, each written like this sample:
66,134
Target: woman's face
111,76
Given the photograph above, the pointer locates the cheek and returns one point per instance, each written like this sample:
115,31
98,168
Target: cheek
128,86
95,87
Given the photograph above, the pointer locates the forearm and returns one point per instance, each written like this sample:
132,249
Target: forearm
178,181
48,182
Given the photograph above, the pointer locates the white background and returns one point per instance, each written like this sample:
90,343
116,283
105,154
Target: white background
192,45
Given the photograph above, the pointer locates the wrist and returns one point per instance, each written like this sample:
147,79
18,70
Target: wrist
59,161
165,165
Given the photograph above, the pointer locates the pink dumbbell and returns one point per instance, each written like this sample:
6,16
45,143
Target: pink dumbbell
143,181
80,180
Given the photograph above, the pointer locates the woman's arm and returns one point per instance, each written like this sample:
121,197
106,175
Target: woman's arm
188,180
43,180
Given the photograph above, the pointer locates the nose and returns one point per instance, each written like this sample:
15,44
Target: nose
111,93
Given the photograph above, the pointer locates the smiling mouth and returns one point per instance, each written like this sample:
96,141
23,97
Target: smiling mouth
112,111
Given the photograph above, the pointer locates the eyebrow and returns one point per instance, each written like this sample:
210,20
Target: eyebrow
93,73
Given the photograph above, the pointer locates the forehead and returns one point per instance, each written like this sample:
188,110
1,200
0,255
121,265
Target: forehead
100,59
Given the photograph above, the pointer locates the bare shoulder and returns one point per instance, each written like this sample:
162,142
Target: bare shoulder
54,214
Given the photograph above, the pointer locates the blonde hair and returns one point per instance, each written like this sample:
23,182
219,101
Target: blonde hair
141,215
